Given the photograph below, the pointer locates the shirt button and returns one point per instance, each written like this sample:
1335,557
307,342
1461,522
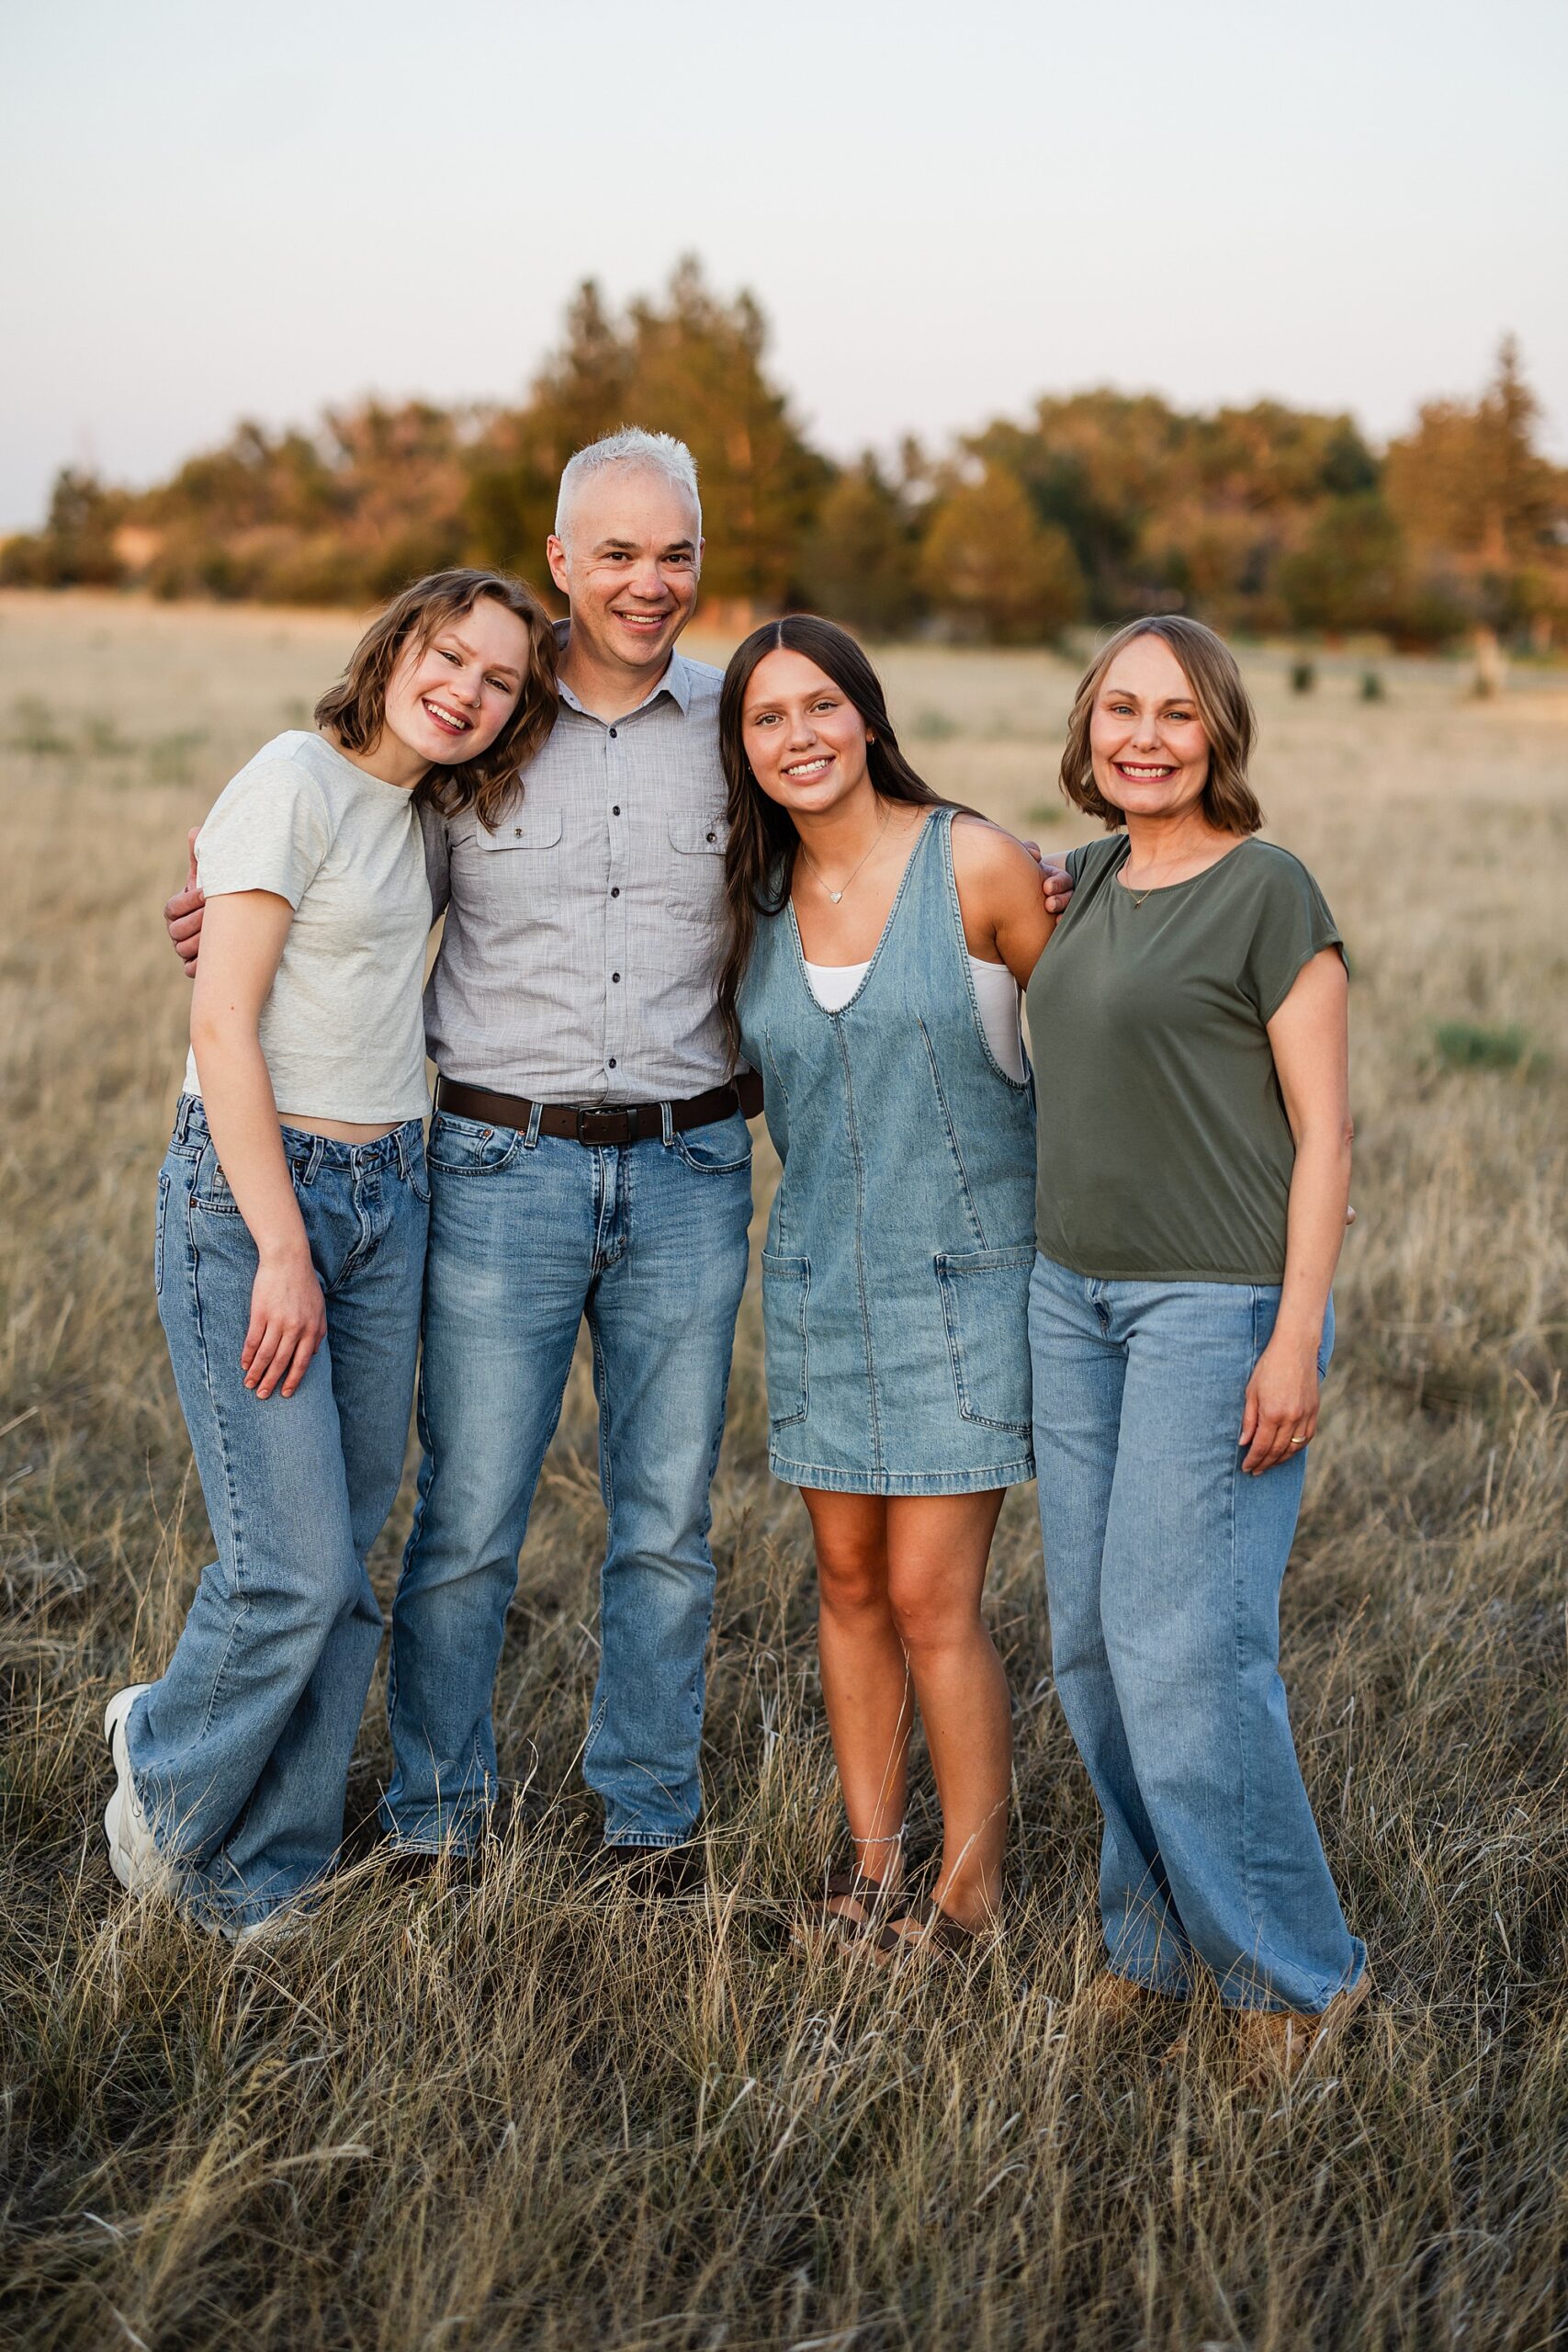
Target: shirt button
616,809
612,734
615,890
713,837
614,976
612,1061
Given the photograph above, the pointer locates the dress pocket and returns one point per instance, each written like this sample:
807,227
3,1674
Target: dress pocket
786,1283
984,1304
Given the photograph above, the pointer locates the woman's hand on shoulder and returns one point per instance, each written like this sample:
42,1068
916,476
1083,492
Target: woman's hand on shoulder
999,895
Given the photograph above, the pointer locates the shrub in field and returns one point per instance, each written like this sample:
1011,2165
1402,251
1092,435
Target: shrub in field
1463,1045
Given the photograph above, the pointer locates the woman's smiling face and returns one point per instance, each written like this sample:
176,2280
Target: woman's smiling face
1146,738
804,736
447,701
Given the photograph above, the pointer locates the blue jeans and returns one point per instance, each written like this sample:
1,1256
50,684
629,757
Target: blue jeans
241,1750
1163,1565
529,1234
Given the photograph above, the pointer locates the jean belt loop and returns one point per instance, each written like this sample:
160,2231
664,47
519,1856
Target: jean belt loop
182,1117
402,1145
530,1133
666,1125
313,1160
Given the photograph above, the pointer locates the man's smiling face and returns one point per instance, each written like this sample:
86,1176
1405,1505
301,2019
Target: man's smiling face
629,564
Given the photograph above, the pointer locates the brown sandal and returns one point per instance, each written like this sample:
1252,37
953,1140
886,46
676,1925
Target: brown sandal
939,1932
852,1885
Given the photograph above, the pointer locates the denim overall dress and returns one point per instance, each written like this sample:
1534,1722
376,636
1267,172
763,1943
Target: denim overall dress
901,1240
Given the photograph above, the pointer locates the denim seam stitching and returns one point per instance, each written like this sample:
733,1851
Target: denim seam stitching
1235,1473
1262,1949
951,1134
1024,1466
164,1190
245,1608
872,1392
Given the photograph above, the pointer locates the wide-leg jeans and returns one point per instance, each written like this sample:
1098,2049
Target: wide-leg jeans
1164,1562
529,1235
240,1749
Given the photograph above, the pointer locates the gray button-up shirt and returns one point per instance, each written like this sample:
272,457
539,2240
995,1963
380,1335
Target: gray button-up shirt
583,936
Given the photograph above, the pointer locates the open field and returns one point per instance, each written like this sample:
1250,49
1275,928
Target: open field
514,2114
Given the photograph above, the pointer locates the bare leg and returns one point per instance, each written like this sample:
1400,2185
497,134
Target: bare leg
865,1676
937,1548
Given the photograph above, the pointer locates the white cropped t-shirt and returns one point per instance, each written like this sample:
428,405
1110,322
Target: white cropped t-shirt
996,993
343,1028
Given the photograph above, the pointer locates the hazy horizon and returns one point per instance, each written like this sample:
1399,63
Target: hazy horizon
1208,208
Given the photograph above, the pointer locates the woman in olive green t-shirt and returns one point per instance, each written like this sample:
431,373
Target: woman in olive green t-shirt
1194,1161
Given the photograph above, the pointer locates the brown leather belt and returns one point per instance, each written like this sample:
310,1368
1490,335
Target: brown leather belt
601,1124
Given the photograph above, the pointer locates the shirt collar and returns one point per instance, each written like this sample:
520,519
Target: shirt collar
676,682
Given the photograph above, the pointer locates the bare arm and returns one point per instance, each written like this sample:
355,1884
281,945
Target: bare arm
243,940
1310,1036
1006,918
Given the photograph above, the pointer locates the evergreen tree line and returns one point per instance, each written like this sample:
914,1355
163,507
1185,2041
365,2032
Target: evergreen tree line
1102,504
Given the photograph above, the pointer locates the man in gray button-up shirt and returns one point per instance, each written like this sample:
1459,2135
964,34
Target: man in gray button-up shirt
578,968
579,959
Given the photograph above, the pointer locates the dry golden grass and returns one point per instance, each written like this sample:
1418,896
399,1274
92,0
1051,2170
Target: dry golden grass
517,2114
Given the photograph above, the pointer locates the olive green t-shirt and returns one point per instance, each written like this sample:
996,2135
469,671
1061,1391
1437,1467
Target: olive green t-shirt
1165,1152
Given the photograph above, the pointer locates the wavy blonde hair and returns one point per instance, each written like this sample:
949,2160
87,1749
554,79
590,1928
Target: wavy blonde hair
1225,710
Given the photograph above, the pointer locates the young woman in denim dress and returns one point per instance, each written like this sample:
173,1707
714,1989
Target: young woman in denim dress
290,1240
880,938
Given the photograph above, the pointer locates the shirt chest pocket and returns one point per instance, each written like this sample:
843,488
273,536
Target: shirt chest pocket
521,863
697,868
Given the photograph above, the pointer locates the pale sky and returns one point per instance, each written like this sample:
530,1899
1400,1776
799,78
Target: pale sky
944,209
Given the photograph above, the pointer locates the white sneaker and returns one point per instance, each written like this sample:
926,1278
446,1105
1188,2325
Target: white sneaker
133,1851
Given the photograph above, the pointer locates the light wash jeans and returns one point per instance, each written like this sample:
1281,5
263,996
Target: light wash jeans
1163,1566
241,1750
529,1234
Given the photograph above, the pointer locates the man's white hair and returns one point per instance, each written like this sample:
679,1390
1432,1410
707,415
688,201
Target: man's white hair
657,453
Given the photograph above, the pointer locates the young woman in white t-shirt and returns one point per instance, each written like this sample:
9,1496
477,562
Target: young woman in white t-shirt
290,1238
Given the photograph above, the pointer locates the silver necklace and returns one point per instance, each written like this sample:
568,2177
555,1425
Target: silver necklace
817,871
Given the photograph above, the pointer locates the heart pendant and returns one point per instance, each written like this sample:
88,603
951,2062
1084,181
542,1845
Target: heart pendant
835,896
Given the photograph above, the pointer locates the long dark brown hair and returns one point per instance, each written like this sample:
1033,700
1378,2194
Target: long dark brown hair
355,708
759,863
1222,705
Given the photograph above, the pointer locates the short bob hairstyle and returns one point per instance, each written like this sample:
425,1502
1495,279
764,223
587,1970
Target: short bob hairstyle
1223,707
355,710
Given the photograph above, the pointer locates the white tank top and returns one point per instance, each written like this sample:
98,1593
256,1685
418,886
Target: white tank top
996,993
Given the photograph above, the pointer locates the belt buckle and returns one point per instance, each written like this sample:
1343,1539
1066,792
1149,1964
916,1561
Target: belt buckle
614,1125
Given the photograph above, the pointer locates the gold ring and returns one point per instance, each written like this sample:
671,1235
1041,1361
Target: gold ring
1296,1442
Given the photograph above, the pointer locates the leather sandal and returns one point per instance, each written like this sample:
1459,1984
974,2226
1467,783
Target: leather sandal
852,1885
939,1932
